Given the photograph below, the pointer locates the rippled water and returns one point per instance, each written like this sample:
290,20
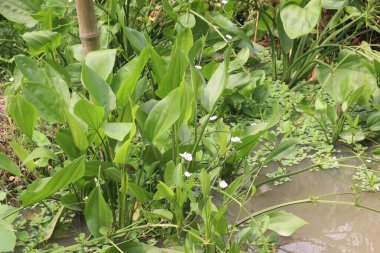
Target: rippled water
332,228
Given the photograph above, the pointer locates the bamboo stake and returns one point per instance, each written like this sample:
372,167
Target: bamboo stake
88,30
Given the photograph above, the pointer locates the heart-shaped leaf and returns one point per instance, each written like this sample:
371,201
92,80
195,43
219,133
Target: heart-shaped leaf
298,21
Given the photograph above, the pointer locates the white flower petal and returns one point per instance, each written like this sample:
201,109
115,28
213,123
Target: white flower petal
368,160
11,79
223,184
224,1
235,139
186,156
212,118
187,174
229,37
198,67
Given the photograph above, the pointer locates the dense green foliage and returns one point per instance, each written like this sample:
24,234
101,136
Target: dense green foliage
154,137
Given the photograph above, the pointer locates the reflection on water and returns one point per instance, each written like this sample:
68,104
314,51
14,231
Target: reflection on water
331,228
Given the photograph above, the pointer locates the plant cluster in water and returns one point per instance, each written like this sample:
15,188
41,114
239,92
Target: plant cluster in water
147,142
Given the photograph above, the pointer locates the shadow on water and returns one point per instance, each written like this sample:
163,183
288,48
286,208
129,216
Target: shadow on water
332,228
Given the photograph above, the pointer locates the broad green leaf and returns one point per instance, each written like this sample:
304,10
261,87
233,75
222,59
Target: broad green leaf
40,139
172,174
187,20
205,181
20,11
48,102
352,72
39,153
97,213
138,192
30,69
48,231
163,213
8,165
42,188
128,86
59,81
174,74
91,114
163,191
99,90
40,42
101,62
23,114
163,115
285,41
65,141
284,223
78,132
117,131
123,152
333,4
216,85
284,149
136,38
298,21
7,236
22,154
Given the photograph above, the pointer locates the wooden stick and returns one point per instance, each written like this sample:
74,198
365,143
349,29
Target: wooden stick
88,30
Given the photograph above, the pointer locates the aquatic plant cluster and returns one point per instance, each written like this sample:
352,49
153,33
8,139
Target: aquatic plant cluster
138,125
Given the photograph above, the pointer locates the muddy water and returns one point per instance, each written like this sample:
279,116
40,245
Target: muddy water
331,228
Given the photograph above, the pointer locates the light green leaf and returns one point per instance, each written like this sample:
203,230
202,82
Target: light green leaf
30,69
39,153
163,115
298,21
117,131
48,231
136,38
172,78
40,42
40,139
284,223
42,188
22,154
163,191
7,236
205,181
215,87
163,213
187,20
352,72
99,90
101,62
23,114
333,4
20,11
138,192
8,165
78,132
97,213
65,141
284,149
48,102
128,86
91,114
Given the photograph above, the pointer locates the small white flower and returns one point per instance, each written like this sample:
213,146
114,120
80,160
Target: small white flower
70,1
368,160
229,37
11,79
186,156
235,139
253,124
198,67
85,198
223,184
212,118
224,1
334,157
187,174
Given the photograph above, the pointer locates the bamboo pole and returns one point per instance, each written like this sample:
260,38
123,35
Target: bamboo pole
88,30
